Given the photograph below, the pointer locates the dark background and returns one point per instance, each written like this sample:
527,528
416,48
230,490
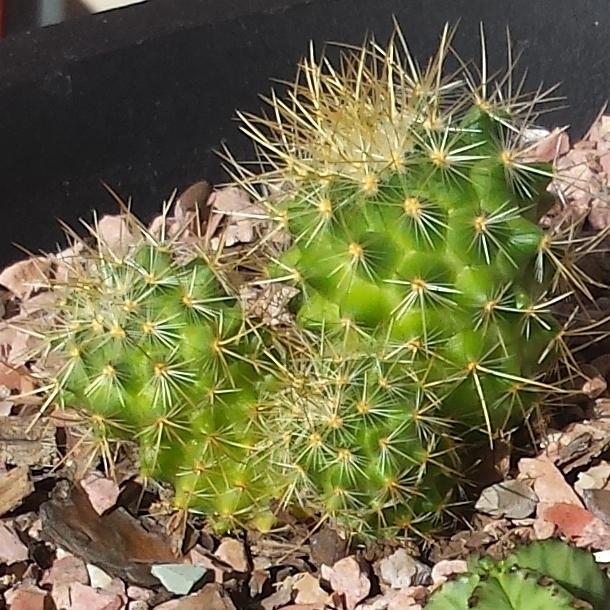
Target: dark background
140,97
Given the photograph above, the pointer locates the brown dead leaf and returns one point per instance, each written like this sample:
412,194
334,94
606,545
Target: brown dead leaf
15,486
116,542
349,580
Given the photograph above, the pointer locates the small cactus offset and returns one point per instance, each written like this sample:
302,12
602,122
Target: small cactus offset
153,350
542,575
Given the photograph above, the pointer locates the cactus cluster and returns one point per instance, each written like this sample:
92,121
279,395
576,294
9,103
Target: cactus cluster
542,575
422,322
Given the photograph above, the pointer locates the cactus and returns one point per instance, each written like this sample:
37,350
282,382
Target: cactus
154,350
423,316
412,210
410,201
541,575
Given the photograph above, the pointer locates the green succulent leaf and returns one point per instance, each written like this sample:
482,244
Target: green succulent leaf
454,594
516,589
574,569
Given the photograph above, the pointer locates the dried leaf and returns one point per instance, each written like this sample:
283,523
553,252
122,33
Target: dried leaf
512,499
15,485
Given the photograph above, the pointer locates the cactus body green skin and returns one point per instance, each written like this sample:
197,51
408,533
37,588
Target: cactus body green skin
545,575
358,443
155,352
447,264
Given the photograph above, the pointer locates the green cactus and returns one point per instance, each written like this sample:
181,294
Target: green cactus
155,351
423,321
412,211
410,201
541,575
